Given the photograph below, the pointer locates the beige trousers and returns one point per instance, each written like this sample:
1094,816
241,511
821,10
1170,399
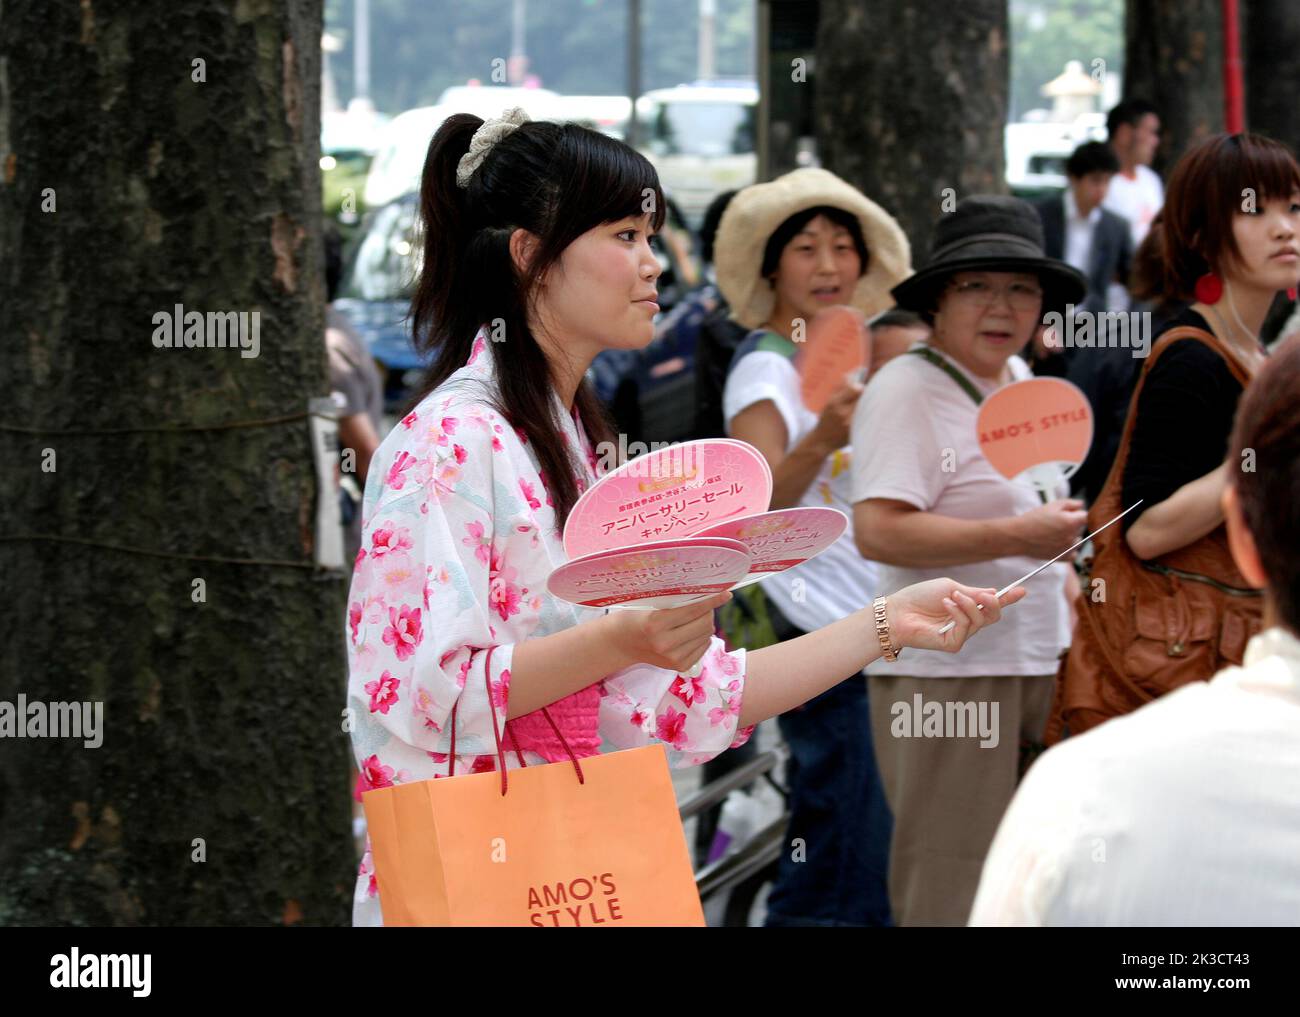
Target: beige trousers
949,752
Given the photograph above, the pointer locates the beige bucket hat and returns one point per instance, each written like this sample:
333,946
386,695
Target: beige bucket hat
754,215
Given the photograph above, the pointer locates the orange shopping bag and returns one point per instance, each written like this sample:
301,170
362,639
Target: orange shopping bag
593,843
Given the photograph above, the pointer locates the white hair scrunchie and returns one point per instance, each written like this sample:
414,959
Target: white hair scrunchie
488,134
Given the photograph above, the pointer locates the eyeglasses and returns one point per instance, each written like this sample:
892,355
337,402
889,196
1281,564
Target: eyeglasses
977,293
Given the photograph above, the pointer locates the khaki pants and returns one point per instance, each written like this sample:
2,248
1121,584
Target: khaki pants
948,791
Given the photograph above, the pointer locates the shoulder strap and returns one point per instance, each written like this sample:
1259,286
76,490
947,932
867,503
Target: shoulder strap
1110,492
928,354
761,339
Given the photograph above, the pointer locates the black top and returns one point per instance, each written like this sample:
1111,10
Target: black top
1184,419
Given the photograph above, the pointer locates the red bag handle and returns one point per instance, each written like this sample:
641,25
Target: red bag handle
496,733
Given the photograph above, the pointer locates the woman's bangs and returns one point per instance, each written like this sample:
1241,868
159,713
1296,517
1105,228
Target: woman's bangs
1269,170
618,181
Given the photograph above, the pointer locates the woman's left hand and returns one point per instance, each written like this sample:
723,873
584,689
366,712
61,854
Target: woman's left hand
916,613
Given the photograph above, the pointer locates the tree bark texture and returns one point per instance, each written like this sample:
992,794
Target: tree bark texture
1270,31
911,103
222,727
1173,58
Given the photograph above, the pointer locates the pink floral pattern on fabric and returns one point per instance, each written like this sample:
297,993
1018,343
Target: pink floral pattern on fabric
459,538
383,692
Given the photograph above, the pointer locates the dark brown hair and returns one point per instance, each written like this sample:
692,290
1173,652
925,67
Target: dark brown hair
1268,422
791,227
1206,190
557,181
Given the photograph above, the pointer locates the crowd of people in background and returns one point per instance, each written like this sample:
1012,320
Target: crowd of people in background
910,830
1188,667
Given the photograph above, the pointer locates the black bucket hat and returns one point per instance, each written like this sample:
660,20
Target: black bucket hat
994,233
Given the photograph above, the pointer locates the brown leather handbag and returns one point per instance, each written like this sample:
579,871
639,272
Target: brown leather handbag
1146,627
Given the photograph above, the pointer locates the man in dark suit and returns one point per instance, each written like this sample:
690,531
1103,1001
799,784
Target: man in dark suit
1080,232
1099,243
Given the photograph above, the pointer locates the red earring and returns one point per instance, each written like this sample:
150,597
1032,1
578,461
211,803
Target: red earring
1291,294
1209,288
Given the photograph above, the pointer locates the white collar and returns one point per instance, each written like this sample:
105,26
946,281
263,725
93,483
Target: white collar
1273,642
1072,210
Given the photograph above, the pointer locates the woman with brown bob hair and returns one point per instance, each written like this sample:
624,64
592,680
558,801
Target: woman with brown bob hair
1167,605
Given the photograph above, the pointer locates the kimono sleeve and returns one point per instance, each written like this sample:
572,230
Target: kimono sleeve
695,718
419,626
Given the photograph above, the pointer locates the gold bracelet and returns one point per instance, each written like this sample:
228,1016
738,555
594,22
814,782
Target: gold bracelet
882,631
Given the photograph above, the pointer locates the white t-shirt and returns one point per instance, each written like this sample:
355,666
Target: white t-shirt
915,441
1137,200
1182,813
838,581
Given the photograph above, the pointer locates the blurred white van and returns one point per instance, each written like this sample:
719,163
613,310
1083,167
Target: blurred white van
404,142
702,140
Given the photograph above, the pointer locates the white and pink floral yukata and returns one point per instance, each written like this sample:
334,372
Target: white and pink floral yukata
459,537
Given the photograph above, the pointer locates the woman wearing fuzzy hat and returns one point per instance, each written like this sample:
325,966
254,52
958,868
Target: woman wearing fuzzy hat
784,251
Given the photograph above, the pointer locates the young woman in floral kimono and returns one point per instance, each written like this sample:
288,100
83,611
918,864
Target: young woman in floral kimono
535,258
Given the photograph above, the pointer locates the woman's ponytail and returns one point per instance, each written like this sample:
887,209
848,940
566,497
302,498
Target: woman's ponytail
444,236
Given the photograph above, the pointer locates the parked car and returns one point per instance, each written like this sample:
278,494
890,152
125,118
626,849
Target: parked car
376,295
405,140
605,113
399,159
1036,152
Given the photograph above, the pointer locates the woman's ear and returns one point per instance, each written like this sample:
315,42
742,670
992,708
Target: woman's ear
523,247
1241,542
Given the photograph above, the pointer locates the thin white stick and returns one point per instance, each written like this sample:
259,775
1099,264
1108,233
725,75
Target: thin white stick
1011,586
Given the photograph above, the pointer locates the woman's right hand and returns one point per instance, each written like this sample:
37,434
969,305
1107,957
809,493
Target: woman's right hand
675,638
832,427
1046,531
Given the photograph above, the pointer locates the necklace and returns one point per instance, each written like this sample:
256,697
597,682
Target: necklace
1251,356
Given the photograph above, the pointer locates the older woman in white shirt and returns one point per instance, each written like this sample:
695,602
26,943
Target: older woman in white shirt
927,502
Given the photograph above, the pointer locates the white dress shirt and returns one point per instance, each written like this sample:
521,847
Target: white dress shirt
1079,232
1183,813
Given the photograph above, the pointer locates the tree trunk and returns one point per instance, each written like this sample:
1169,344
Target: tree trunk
911,103
134,178
1173,58
1271,39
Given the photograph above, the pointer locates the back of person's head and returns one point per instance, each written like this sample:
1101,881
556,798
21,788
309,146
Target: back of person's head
892,334
1207,189
333,260
1147,277
1091,157
897,317
709,226
1127,113
556,181
1266,438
